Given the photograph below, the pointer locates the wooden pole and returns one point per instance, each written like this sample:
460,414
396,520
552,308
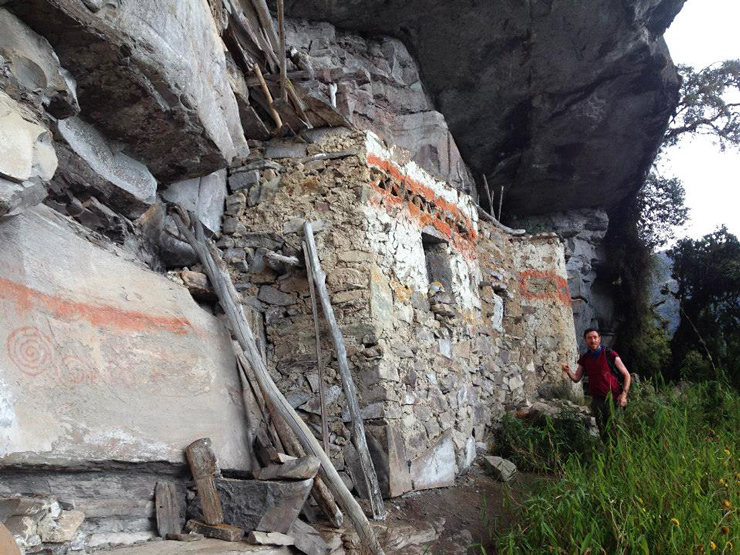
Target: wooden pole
500,203
486,216
488,193
268,96
319,364
221,281
348,384
281,57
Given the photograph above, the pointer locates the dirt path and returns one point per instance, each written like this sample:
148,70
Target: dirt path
472,509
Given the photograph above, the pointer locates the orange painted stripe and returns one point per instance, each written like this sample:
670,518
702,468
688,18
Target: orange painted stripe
109,317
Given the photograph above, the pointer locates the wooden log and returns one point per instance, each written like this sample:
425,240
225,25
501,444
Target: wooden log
281,53
319,363
320,492
486,216
268,96
205,469
263,13
500,202
225,532
348,385
302,468
488,193
227,294
167,509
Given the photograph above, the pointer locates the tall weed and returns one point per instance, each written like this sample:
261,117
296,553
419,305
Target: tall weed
667,482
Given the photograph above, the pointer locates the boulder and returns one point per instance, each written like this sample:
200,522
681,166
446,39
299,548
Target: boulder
501,469
95,162
33,69
153,75
26,149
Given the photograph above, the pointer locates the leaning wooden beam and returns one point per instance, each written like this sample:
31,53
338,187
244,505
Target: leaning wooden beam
348,384
500,202
263,13
292,446
281,53
268,97
228,297
319,363
488,193
486,216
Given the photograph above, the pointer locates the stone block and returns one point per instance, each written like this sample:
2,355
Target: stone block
258,505
34,66
270,295
269,538
437,466
308,540
88,336
125,183
203,196
243,180
26,149
62,529
501,469
389,458
278,149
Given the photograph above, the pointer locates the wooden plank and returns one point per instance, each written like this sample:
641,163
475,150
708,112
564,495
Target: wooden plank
225,532
488,193
348,384
281,53
8,546
319,363
219,276
301,468
205,469
167,509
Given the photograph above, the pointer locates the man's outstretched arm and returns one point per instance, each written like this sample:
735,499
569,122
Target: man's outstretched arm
622,399
574,377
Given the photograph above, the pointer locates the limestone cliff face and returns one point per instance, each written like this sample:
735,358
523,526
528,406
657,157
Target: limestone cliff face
539,95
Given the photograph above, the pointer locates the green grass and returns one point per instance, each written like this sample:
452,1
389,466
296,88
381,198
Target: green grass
668,482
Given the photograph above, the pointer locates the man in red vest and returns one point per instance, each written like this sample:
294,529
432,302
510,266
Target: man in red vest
603,384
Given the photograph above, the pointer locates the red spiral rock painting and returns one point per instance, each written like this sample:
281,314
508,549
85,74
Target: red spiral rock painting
30,350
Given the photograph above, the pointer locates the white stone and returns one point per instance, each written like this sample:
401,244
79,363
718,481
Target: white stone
88,337
436,467
26,149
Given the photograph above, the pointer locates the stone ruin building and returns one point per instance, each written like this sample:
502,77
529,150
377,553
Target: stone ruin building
115,352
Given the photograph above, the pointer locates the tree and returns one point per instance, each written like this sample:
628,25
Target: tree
708,275
660,203
709,104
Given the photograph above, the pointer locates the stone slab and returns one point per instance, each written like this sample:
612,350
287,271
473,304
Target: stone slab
88,337
436,467
500,468
26,149
126,183
204,196
256,505
204,547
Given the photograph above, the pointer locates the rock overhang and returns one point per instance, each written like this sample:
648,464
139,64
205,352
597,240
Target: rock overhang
538,96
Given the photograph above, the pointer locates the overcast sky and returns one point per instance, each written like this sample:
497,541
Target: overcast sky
706,31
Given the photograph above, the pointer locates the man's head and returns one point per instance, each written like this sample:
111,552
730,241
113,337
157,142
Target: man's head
592,338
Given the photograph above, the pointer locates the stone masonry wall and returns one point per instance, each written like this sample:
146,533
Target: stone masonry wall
447,320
